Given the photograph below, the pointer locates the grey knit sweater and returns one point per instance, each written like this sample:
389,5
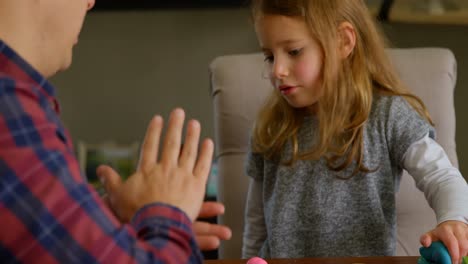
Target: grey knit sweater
309,212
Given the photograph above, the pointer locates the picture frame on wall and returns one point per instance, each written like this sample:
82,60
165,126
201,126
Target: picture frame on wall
157,4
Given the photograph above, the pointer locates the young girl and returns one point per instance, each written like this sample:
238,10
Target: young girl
330,145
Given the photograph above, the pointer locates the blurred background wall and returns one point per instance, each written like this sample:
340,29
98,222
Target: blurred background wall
131,65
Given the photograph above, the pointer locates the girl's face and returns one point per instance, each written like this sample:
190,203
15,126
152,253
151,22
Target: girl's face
293,59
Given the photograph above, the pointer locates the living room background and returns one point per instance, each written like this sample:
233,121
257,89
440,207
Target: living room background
131,65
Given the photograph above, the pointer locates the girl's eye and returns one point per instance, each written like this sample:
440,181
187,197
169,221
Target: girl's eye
269,58
295,52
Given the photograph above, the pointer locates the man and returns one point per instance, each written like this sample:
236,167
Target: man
48,213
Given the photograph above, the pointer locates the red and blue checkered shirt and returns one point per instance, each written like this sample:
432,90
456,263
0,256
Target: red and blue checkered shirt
48,212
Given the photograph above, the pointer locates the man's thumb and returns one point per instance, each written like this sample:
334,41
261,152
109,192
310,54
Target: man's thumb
110,179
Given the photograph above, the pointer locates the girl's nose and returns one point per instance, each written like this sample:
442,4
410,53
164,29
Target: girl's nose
279,69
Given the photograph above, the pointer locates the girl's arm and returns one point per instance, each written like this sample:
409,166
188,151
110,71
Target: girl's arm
443,185
446,191
254,227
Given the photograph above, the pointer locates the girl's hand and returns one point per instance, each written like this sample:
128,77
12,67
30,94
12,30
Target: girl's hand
454,234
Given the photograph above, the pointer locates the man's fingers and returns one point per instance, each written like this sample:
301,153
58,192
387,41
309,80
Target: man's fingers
203,165
207,242
110,179
206,229
190,150
211,209
149,149
172,141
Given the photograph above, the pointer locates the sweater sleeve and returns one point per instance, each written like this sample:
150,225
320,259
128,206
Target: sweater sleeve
255,230
404,126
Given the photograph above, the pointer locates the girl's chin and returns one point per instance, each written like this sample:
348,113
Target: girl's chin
311,108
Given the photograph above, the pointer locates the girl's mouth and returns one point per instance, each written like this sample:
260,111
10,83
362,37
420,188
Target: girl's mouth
285,89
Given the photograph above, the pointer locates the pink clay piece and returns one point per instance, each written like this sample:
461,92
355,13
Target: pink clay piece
256,260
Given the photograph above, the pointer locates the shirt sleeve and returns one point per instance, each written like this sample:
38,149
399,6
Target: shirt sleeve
49,214
443,185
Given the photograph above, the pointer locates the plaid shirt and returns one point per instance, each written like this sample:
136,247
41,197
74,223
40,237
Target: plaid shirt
48,212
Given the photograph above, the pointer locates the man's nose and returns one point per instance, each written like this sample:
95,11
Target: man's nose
91,4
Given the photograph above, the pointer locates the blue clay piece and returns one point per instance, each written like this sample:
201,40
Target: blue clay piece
436,253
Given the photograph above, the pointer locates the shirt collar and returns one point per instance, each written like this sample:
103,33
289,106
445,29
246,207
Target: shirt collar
13,65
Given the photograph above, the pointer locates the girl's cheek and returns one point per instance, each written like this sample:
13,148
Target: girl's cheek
307,72
309,75
301,70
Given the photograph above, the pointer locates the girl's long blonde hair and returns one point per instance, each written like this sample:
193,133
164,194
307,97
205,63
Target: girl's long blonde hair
348,85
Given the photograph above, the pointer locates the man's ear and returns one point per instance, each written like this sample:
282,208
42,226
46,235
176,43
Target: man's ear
347,35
